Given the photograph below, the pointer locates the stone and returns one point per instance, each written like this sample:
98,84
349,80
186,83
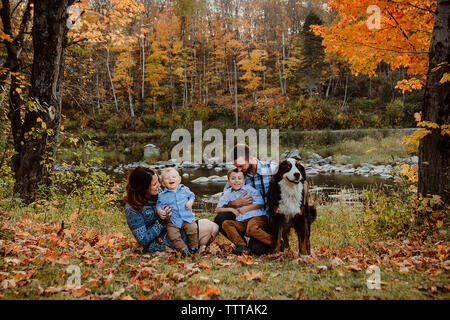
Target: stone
314,156
200,180
218,179
150,150
214,161
290,154
166,164
189,164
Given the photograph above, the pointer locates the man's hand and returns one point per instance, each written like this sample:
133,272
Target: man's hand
189,204
243,200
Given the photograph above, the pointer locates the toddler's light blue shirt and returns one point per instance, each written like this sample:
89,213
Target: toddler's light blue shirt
176,200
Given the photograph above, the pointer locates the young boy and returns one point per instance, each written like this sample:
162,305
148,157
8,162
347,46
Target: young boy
250,220
180,199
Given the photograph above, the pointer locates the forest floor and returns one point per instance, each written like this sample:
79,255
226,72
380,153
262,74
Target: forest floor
39,260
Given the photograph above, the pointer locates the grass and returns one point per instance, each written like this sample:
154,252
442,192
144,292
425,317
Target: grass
99,242
388,146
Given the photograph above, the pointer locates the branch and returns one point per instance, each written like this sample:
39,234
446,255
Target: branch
382,49
75,42
403,32
23,25
416,7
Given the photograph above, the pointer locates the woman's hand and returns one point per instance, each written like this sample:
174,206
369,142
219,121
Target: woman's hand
165,212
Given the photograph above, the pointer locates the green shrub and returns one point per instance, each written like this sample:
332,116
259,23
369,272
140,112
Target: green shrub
402,211
394,112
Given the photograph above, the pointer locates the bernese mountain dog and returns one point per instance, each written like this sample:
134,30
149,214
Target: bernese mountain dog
288,208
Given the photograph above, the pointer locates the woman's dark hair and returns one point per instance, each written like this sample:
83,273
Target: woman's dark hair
138,183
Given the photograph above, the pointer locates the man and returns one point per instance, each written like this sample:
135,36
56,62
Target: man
258,175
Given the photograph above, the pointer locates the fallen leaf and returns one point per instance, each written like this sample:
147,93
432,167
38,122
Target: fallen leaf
8,284
78,292
211,291
53,289
403,270
353,267
142,297
194,289
245,260
322,268
336,262
118,293
204,264
190,269
255,275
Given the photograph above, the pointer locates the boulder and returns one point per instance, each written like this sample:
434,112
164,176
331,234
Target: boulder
214,161
290,154
200,180
218,179
189,164
150,150
314,157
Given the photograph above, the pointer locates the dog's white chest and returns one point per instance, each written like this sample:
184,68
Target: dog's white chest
291,198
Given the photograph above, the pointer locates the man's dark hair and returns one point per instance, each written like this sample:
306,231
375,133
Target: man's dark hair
240,150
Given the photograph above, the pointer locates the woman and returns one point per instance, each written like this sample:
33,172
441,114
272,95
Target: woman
148,227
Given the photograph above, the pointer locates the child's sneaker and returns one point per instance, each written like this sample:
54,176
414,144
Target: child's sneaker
241,249
193,250
185,252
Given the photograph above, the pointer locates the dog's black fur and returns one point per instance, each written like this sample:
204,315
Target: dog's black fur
280,224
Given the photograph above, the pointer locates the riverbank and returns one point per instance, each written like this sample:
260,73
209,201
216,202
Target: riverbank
373,146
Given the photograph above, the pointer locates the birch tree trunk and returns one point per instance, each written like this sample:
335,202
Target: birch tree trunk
110,77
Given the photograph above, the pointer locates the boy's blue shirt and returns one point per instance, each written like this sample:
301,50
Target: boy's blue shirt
231,195
176,200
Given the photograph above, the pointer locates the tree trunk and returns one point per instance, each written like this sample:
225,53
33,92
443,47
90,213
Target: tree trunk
283,80
236,94
35,157
110,78
434,149
142,43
